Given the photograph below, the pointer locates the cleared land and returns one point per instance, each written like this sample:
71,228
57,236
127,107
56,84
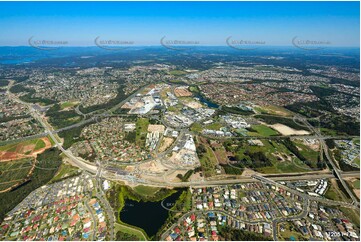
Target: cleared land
193,104
156,128
165,144
285,130
182,92
354,183
220,152
334,192
274,110
26,149
307,152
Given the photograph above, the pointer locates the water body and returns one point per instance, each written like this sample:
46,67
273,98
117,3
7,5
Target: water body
17,61
206,101
149,216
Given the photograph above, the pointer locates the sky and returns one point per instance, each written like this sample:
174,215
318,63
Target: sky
209,23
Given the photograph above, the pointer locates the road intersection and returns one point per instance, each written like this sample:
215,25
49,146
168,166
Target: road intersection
96,169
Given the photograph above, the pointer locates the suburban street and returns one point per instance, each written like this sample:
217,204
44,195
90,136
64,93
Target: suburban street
97,171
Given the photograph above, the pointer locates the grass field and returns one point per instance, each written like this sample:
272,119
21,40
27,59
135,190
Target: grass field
289,167
270,148
353,215
262,130
141,131
208,162
51,140
196,127
241,194
207,159
291,232
334,192
274,110
357,161
356,184
146,191
64,171
326,131
356,141
40,144
307,152
177,72
173,109
68,104
131,232
214,126
220,153
194,89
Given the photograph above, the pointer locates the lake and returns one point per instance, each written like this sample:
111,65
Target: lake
149,216
206,101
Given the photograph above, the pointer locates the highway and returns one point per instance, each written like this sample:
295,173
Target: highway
240,179
305,195
76,160
282,136
82,164
330,160
50,131
273,179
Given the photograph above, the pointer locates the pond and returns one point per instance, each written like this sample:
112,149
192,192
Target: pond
206,101
149,216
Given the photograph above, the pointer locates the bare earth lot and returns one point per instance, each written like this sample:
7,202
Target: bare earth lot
24,150
182,92
285,130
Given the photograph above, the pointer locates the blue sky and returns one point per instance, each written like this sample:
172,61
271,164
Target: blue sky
210,23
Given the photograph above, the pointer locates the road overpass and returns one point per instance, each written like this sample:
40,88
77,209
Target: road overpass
115,177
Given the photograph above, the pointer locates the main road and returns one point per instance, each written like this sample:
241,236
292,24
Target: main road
82,164
325,149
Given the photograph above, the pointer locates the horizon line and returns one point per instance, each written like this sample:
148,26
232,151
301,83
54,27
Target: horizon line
159,45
